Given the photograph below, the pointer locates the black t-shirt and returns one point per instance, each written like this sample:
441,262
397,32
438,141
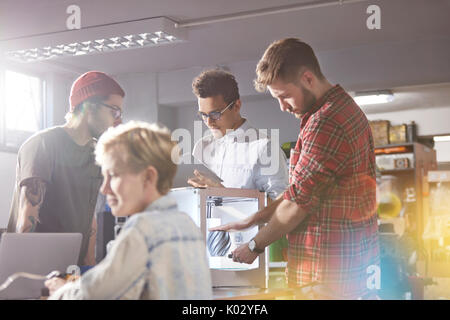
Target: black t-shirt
72,180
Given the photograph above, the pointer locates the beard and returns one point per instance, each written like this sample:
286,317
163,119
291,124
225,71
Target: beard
309,100
96,126
95,133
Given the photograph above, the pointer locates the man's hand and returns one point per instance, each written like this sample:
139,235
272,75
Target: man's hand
259,217
54,284
201,181
244,255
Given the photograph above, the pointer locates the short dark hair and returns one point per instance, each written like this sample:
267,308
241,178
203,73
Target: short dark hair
216,82
283,60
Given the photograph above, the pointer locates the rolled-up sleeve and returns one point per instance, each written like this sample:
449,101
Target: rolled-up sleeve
325,150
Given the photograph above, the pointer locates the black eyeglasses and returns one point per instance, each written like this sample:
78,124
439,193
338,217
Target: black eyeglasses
116,111
215,115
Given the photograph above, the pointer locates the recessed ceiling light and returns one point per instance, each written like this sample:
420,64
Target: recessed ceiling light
373,97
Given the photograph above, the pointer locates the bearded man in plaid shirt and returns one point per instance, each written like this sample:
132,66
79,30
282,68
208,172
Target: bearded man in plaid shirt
328,212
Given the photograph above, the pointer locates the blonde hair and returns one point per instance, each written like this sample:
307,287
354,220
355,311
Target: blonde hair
285,59
142,144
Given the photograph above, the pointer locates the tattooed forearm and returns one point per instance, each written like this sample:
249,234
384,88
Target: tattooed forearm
31,198
34,191
89,259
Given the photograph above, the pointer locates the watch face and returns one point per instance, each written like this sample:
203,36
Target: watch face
252,245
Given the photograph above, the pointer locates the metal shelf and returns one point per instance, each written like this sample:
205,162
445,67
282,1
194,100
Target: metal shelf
406,144
397,170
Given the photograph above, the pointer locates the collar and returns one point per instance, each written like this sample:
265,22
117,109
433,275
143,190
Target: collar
162,204
327,98
91,144
232,134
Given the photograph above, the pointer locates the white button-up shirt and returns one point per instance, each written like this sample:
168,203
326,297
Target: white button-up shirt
245,158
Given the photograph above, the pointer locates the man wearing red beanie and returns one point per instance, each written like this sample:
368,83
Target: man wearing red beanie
57,180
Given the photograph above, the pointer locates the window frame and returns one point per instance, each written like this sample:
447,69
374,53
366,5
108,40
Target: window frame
4,132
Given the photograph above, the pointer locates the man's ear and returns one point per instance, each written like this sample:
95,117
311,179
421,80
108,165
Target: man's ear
151,176
308,79
237,105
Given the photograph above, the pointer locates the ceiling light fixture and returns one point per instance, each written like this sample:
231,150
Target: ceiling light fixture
373,97
91,40
441,138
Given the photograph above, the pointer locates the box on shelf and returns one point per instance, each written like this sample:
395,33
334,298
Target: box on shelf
398,134
380,132
395,161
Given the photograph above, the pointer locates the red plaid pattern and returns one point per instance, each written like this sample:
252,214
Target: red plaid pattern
332,177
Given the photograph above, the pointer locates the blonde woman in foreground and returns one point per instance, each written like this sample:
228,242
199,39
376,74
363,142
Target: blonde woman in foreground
160,252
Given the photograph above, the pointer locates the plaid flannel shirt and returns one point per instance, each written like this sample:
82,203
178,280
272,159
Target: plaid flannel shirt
332,177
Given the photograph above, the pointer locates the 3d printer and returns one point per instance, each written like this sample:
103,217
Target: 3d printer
216,206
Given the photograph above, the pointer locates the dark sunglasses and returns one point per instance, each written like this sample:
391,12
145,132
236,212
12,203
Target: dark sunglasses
116,111
215,115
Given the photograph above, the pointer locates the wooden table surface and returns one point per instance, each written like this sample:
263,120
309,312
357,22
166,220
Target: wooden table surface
247,293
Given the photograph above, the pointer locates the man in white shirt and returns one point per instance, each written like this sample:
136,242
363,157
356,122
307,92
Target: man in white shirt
240,155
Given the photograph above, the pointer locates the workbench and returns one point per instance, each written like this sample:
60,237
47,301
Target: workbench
249,293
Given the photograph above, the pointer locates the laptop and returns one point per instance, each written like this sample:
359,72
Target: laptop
37,253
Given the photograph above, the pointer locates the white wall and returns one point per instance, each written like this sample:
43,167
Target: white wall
266,114
168,116
442,151
57,98
141,96
7,177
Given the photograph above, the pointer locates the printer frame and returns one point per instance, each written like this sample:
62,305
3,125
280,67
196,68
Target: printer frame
220,277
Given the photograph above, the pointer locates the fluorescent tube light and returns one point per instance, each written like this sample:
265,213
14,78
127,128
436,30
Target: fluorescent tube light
441,139
91,40
373,97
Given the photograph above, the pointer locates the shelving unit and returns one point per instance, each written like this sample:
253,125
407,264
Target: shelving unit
410,183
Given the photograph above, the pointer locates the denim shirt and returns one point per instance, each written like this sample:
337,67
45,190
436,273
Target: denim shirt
245,158
159,254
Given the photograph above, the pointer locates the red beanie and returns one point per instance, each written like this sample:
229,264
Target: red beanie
91,84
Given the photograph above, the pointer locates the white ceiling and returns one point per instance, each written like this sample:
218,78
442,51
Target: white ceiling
408,28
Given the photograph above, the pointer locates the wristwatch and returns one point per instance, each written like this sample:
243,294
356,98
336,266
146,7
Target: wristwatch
252,247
